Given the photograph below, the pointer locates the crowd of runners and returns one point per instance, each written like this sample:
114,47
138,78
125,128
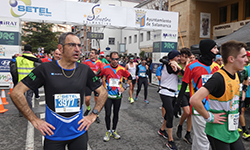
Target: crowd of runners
211,90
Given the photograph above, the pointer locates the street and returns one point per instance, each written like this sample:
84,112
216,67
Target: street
138,125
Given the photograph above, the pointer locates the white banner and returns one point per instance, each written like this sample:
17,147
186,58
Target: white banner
5,79
9,24
7,51
91,14
170,36
205,25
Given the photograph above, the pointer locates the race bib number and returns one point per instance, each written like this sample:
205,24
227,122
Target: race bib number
66,103
205,78
142,74
114,82
233,121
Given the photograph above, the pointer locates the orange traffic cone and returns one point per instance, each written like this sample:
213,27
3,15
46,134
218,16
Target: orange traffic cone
3,97
11,87
2,110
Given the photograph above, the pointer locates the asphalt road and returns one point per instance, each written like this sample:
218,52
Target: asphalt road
138,125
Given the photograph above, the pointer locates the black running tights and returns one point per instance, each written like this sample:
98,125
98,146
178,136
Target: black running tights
143,81
108,105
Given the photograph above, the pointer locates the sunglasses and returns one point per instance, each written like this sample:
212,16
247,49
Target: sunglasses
72,44
114,58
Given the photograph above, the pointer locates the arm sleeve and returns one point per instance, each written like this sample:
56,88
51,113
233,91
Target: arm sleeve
170,69
181,92
137,70
215,85
32,58
92,80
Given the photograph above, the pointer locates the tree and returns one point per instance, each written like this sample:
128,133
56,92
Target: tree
142,54
40,35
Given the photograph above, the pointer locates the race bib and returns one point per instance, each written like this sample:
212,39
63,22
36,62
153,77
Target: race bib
133,75
205,78
241,87
233,121
114,82
142,74
67,103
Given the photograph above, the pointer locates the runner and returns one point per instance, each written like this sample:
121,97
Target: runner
196,73
113,74
223,91
64,84
94,64
142,78
168,87
131,67
184,61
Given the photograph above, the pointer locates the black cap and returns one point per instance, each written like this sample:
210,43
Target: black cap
27,47
173,54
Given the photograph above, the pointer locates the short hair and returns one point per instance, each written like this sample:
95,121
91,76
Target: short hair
113,53
63,37
94,50
231,48
107,56
186,51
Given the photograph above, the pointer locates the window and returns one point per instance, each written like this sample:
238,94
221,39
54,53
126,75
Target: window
234,11
148,35
247,7
223,14
125,40
129,39
111,41
135,38
141,37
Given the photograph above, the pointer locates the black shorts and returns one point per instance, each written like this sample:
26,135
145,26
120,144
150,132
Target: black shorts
246,102
185,100
133,81
88,92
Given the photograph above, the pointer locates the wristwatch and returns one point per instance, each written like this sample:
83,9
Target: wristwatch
95,111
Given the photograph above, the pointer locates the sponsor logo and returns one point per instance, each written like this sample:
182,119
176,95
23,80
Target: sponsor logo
56,74
140,16
95,18
20,7
5,78
2,50
169,35
32,76
8,23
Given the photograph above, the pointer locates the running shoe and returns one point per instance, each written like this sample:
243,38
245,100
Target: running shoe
146,101
97,120
107,136
131,101
246,135
86,112
239,130
179,131
171,145
188,139
163,133
135,98
115,135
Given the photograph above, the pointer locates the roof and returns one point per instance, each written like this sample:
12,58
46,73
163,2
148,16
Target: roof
241,35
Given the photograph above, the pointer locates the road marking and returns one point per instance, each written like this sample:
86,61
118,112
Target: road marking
42,103
42,116
30,133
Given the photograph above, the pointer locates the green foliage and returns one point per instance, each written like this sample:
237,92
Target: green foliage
142,54
40,35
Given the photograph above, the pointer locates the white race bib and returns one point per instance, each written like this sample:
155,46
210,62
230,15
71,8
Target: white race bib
205,78
142,74
114,82
233,121
66,103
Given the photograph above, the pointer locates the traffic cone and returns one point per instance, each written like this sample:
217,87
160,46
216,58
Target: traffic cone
2,110
3,97
11,87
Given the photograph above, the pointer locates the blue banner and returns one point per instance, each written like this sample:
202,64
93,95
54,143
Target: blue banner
9,38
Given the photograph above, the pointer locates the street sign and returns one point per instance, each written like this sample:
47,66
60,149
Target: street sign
94,35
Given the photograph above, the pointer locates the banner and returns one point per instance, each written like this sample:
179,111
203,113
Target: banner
5,65
9,38
90,14
9,24
170,36
5,79
7,51
205,25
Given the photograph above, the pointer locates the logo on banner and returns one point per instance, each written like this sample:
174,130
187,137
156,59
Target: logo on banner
2,51
140,17
94,12
169,35
8,23
21,7
95,18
